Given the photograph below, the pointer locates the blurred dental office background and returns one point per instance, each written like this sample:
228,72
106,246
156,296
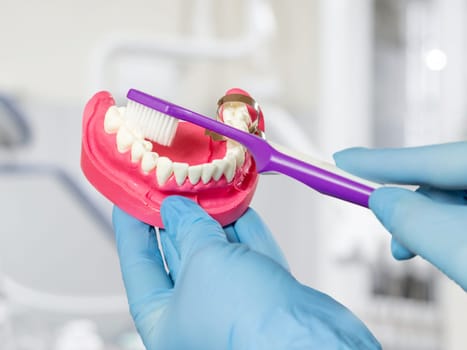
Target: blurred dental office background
328,74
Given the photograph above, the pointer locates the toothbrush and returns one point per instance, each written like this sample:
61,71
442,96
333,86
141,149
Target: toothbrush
162,117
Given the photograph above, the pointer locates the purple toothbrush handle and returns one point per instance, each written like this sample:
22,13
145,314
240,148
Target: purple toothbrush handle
267,157
319,179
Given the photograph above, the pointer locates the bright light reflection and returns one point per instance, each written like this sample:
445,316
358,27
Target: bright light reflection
436,60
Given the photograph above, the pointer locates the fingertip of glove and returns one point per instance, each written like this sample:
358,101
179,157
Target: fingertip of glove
175,207
173,202
383,202
399,252
178,210
344,157
355,161
386,195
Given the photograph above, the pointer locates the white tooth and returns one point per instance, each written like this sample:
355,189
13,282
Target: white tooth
149,161
240,157
139,148
239,124
238,152
194,173
164,170
180,172
134,128
125,139
232,144
219,165
113,120
208,171
230,168
241,114
228,115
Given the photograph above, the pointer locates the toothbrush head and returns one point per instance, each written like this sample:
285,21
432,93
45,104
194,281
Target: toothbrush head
122,161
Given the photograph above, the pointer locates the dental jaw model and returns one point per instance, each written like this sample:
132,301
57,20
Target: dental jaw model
121,161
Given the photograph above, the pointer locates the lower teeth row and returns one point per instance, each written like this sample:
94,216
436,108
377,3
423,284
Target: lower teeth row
129,138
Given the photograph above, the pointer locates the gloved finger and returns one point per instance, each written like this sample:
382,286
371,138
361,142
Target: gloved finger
399,252
435,231
189,227
442,166
231,234
146,281
170,253
249,229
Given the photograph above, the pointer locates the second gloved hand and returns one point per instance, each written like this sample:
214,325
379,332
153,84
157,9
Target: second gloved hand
430,222
227,288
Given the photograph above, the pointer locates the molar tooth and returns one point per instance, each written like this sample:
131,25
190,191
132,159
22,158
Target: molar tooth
149,161
208,171
180,172
125,139
230,168
194,173
240,125
139,148
219,165
113,120
228,115
164,170
241,114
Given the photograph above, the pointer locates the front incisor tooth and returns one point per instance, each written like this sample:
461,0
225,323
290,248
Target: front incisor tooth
134,128
180,172
139,148
125,139
164,170
219,165
113,120
208,172
149,161
230,168
122,110
194,173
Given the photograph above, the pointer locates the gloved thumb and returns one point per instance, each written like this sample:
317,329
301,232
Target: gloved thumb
423,226
189,227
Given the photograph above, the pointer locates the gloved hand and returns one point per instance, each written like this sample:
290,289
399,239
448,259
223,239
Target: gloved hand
227,289
431,221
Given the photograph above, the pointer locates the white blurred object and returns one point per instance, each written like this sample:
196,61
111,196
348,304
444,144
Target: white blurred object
77,305
130,341
258,24
81,334
436,60
6,331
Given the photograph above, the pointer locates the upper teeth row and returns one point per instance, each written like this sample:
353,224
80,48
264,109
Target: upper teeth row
130,138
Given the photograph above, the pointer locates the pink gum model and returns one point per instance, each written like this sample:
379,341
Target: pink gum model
124,183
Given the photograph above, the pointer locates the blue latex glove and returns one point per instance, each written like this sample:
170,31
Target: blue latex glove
227,289
430,222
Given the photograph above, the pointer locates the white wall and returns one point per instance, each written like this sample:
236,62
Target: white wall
47,46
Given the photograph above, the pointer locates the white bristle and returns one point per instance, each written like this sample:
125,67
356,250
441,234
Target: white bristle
154,125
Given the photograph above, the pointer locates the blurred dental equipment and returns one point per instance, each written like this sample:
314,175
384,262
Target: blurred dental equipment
14,130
